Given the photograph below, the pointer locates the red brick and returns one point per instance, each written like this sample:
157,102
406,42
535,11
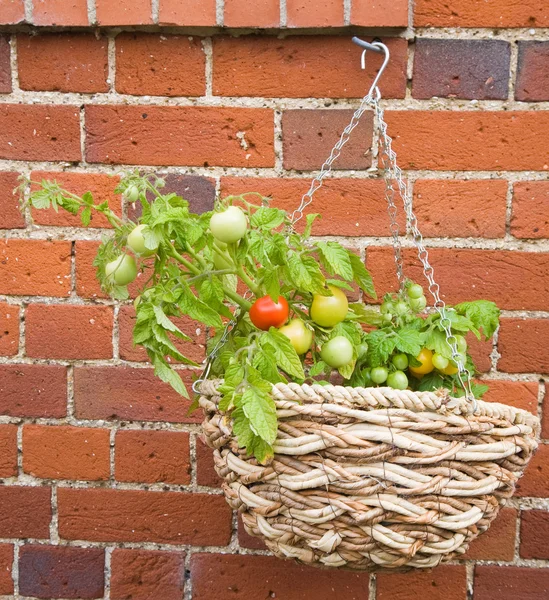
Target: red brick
196,13
8,450
314,66
241,13
461,208
470,69
12,11
309,135
471,13
39,132
206,473
480,351
78,453
510,583
515,280
9,329
124,12
62,62
60,12
128,393
195,350
520,394
498,542
533,72
535,482
470,140
530,216
376,13
61,572
69,331
349,207
136,516
100,185
146,456
33,391
443,583
199,191
310,13
87,284
534,530
180,135
245,540
11,216
25,512
521,344
5,66
160,65
146,574
6,564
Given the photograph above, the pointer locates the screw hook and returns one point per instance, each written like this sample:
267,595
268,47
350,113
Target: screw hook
375,46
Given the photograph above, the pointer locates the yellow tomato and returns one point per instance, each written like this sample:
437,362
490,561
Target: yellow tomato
449,370
425,357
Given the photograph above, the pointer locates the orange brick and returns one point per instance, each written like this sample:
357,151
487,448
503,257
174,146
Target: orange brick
534,529
262,13
12,12
530,216
124,12
520,394
535,482
73,13
510,583
78,453
8,451
25,512
206,473
498,543
480,351
35,268
521,343
443,583
310,13
197,13
11,216
87,284
9,329
5,66
6,564
376,13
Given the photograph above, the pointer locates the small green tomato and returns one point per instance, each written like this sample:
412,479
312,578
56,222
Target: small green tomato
136,241
229,226
337,352
121,270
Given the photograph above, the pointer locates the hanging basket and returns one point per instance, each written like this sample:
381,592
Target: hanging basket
374,478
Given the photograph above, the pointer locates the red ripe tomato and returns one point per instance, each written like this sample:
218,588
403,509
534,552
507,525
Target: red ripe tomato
265,313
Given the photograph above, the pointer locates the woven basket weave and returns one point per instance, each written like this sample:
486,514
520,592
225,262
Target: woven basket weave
373,478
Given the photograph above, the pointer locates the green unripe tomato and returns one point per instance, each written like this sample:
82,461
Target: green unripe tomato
400,361
221,259
401,308
440,362
397,380
229,226
414,291
121,270
131,193
387,307
387,317
418,304
379,375
300,336
328,311
136,241
362,350
461,344
337,352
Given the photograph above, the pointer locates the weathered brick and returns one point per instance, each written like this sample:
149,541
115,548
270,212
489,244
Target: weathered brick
241,13
470,69
6,564
206,473
61,572
533,72
245,540
39,132
60,12
148,456
534,531
128,393
87,284
510,583
372,13
5,66
146,574
498,543
530,216
535,482
137,516
309,135
471,13
62,62
266,576
160,65
459,208
33,390
480,351
314,66
311,13
520,394
180,135
25,512
64,452
12,12
470,140
69,331
521,343
124,12
197,13
443,583
8,451
11,216
9,329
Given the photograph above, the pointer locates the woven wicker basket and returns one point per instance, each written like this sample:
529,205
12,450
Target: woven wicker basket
373,478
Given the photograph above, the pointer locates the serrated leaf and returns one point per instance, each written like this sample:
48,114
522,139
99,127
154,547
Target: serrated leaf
346,371
298,272
430,382
168,375
436,341
483,314
338,283
285,355
380,347
265,363
198,310
85,216
87,198
271,282
318,368
267,218
260,409
361,275
310,219
360,313
409,340
163,320
336,259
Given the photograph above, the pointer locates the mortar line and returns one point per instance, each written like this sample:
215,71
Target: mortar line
193,460
15,567
14,64
372,587
155,11
188,592
470,579
207,46
283,14
513,69
28,10
92,12
113,431
108,572
220,12
111,64
347,12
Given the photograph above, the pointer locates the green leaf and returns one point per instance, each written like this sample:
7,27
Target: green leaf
380,347
430,382
198,310
310,218
338,283
168,375
318,368
88,198
241,428
85,216
360,313
260,409
435,340
271,282
346,371
361,276
163,320
285,355
409,340
298,272
265,362
483,314
267,218
336,259
40,199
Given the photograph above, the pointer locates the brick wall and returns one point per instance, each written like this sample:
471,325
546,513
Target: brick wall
108,491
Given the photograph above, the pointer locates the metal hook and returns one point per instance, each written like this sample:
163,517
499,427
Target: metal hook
378,47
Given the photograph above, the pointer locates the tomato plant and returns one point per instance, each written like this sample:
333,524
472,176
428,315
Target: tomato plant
136,241
300,336
229,226
328,311
265,313
337,352
121,270
425,360
397,380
